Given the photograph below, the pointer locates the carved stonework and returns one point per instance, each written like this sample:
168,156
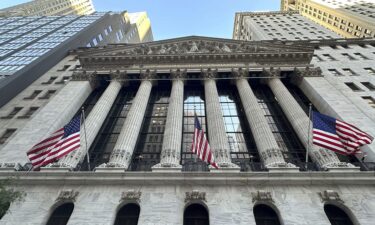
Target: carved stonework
209,73
272,72
117,75
263,196
308,72
330,195
67,195
7,166
240,73
195,196
148,74
178,74
131,195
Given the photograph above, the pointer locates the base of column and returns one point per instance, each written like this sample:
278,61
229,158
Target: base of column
110,169
343,169
283,169
55,169
166,168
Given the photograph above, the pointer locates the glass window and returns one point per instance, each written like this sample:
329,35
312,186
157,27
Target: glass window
29,112
353,86
48,94
370,71
33,95
100,37
368,85
61,214
370,100
94,41
6,135
13,112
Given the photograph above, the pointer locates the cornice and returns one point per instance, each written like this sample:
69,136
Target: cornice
187,178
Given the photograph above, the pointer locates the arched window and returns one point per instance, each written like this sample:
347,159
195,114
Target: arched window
336,215
196,214
128,215
61,214
265,215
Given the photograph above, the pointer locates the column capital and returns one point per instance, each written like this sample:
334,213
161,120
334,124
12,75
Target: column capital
118,76
209,73
147,74
240,73
300,73
178,74
84,75
272,72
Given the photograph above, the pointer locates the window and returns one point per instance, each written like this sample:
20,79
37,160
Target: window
33,95
63,80
370,71
370,100
265,215
13,113
6,135
48,94
61,214
349,72
335,72
94,41
29,113
51,79
110,28
368,85
65,67
328,56
352,86
128,215
317,58
196,214
361,56
105,31
336,215
346,55
100,37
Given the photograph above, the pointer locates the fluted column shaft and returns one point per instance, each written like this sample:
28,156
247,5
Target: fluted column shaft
265,141
216,128
171,150
300,121
122,153
93,123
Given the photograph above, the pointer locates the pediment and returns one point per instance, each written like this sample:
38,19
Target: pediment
194,45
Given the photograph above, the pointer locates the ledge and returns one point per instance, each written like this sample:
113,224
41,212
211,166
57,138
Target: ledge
190,178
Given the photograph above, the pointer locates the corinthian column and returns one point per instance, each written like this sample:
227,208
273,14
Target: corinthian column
171,150
215,124
93,123
123,151
265,141
297,117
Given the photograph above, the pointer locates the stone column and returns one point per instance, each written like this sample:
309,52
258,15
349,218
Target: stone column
54,115
215,124
93,123
122,153
265,141
171,150
297,117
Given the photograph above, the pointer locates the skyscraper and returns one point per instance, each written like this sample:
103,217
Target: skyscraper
348,18
50,8
32,45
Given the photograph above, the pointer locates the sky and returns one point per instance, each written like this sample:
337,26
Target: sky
177,18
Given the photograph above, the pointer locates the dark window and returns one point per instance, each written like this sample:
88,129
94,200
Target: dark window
349,72
61,214
29,113
352,86
196,214
336,215
6,135
33,95
63,80
51,79
128,215
370,100
265,215
13,113
64,68
369,85
329,57
346,55
335,72
361,56
48,94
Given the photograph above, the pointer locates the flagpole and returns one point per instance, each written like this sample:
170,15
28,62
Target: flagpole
84,127
308,136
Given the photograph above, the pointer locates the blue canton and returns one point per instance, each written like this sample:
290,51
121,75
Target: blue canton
324,122
72,127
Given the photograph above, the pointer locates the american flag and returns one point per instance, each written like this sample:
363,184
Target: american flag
337,135
200,145
57,145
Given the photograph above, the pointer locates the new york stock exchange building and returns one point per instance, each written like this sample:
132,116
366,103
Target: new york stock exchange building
252,100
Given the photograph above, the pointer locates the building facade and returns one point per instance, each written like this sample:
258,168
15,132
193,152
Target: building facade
348,18
30,46
140,101
49,8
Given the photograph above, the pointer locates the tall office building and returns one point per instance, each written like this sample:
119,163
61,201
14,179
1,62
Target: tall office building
29,46
140,99
49,8
349,18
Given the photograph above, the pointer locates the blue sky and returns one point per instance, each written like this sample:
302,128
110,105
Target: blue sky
176,18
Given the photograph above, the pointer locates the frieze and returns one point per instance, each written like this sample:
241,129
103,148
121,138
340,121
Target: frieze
330,195
67,195
308,72
195,195
131,195
262,196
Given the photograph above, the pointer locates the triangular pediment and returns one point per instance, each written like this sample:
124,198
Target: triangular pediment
194,45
